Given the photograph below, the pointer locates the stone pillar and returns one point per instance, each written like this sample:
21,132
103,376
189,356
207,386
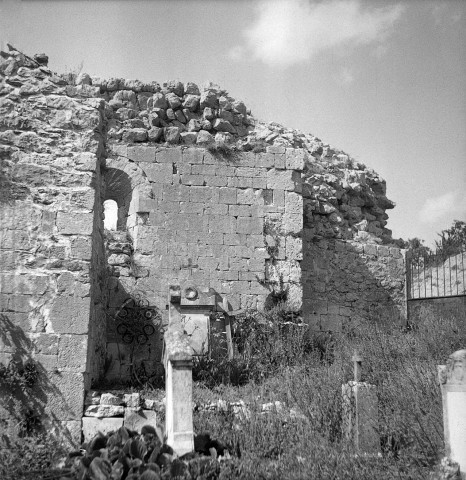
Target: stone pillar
360,422
452,377
178,388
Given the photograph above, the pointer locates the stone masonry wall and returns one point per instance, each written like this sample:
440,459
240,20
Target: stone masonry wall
206,194
50,216
233,223
345,281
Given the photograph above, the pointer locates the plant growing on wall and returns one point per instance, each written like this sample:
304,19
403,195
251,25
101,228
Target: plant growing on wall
17,380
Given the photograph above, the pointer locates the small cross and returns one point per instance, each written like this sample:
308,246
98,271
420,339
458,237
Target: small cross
357,365
190,265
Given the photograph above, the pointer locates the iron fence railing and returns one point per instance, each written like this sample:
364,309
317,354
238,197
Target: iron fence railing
434,276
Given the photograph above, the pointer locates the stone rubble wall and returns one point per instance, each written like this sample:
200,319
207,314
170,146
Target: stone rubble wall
345,281
50,255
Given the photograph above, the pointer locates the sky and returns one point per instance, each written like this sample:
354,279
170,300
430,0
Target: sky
385,81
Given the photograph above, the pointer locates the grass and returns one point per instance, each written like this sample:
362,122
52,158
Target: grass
278,358
403,366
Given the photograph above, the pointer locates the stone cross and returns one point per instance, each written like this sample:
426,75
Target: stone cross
452,378
357,366
360,409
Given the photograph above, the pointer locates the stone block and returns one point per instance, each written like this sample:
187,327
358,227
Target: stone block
293,203
48,362
169,155
280,160
65,395
9,260
141,153
193,155
45,343
249,196
279,198
21,303
227,195
201,169
158,172
85,162
223,170
234,239
215,181
250,225
28,284
295,158
250,172
216,209
136,419
282,179
203,194
75,223
370,249
174,193
292,224
81,247
91,426
70,284
101,411
275,149
110,399
259,182
221,224
70,315
191,207
132,400
265,160
69,432
294,248
192,179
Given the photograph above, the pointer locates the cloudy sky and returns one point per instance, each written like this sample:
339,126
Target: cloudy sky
383,80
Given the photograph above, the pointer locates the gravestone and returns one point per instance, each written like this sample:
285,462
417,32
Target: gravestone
452,378
360,409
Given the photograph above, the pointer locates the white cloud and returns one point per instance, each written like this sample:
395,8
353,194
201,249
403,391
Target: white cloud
448,204
287,32
345,77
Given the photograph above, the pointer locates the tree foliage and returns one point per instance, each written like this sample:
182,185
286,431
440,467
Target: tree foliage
452,241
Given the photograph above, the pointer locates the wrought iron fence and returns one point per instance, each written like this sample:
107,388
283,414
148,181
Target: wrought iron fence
434,276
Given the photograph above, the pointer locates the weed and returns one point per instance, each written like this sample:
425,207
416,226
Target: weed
221,149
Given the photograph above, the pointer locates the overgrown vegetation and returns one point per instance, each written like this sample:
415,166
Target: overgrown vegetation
17,379
32,457
308,378
221,149
278,359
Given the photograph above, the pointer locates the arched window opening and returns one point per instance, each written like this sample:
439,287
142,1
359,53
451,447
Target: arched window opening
110,214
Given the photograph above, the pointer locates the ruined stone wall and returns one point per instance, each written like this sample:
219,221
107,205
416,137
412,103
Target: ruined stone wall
206,194
352,268
345,281
230,222
50,258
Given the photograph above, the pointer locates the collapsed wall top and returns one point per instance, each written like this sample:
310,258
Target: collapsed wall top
345,198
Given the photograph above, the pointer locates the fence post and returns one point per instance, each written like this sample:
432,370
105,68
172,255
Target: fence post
452,378
360,412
